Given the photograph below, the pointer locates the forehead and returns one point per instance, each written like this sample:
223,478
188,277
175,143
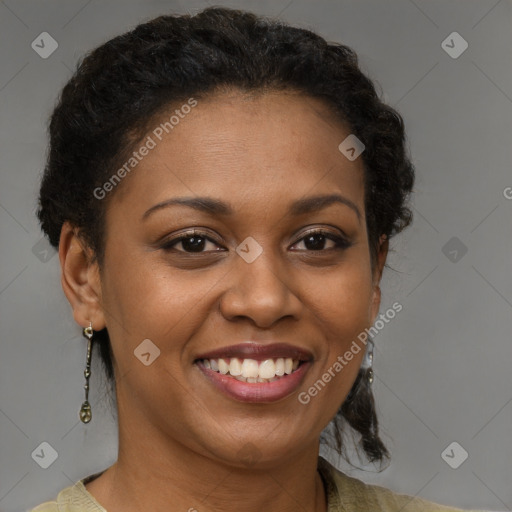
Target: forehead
240,147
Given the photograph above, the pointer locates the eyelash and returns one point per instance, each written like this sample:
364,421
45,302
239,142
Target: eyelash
341,243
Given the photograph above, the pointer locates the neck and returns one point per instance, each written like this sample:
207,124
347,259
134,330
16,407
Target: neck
159,474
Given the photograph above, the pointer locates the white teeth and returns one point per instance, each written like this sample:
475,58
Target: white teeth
250,379
267,369
280,367
235,368
223,366
250,368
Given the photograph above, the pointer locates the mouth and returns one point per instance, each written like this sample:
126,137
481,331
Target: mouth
251,372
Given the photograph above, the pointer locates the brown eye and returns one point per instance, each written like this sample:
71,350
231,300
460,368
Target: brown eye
193,242
317,240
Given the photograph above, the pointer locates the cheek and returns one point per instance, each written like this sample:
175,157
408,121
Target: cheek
342,311
342,300
148,300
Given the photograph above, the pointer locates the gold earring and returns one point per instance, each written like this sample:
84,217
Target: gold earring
85,410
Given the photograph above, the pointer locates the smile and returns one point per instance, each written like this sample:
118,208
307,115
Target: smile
251,372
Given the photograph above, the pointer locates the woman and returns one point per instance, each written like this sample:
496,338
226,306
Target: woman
222,190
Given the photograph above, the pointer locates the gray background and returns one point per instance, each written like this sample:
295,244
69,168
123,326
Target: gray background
442,365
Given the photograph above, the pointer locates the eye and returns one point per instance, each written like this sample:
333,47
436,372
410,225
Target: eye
316,240
191,242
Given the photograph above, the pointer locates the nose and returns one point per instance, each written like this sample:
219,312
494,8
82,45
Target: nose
260,291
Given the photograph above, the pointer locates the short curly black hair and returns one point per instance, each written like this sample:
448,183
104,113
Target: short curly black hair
121,86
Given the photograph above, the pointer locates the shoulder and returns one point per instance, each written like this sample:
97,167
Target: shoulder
48,506
74,498
60,504
348,494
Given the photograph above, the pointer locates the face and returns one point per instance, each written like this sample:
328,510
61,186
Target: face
257,270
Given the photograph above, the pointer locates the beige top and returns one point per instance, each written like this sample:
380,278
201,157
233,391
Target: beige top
344,494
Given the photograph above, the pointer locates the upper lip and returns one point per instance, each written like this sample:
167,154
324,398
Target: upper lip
258,351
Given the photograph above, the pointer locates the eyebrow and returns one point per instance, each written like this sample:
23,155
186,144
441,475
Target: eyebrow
217,207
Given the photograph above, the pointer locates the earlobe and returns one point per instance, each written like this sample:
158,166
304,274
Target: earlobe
80,278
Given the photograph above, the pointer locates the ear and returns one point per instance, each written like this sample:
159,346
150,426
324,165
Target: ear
377,275
80,278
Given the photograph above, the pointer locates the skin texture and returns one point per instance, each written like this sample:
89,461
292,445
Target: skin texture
179,438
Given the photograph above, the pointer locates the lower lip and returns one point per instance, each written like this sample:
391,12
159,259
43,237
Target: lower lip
257,391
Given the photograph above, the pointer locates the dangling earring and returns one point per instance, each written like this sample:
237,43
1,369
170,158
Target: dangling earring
85,410
368,360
